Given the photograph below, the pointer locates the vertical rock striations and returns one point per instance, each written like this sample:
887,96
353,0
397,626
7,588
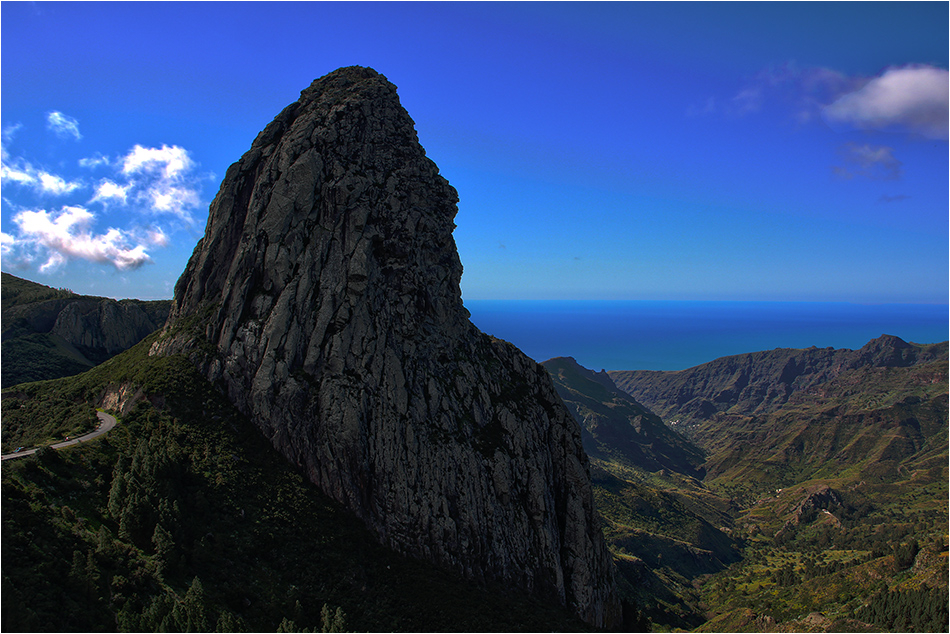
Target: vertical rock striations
324,300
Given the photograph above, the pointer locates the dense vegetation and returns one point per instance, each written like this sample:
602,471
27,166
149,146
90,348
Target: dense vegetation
825,511
17,291
185,519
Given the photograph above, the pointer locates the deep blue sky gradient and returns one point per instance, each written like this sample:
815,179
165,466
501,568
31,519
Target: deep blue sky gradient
637,151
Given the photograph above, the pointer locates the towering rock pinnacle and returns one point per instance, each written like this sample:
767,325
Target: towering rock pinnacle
324,300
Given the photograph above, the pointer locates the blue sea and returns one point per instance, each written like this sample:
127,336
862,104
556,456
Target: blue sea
674,335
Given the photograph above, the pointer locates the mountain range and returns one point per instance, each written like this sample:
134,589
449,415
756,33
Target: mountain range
313,435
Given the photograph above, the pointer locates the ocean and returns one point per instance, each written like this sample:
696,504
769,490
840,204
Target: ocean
674,335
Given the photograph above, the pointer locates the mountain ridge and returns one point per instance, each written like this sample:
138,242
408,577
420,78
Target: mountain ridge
616,426
760,382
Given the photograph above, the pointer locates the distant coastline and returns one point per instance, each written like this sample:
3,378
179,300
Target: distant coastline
674,335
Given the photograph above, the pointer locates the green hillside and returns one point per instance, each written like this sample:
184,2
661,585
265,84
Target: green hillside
185,519
826,513
616,427
663,525
837,465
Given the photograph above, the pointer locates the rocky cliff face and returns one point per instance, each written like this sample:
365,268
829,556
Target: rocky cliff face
104,328
324,300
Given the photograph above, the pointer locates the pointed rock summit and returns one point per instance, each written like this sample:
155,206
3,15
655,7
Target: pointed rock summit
324,301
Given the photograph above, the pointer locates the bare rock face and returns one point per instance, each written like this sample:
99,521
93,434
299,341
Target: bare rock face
324,300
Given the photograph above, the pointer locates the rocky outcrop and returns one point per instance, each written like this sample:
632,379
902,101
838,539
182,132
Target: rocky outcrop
324,300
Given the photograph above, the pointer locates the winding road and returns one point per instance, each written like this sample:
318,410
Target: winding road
107,422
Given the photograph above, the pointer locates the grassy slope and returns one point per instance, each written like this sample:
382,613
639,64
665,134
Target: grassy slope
17,291
114,534
618,429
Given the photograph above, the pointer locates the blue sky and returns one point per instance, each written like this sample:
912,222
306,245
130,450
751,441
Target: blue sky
673,151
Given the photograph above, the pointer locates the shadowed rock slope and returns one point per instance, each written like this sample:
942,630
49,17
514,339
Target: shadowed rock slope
324,301
618,428
50,333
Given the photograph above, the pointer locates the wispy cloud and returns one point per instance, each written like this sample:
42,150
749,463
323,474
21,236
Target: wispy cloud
66,234
165,178
93,162
10,131
63,126
910,98
20,172
157,237
801,93
876,162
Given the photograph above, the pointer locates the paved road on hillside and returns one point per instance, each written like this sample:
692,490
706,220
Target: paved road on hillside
107,422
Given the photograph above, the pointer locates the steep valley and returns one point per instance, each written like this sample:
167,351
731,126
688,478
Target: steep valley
838,475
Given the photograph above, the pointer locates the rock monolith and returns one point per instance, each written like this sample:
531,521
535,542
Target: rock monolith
324,300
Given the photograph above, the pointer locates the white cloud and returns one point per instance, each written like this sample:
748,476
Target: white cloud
64,127
172,162
6,243
93,161
912,98
157,237
109,191
146,181
67,235
52,184
19,174
164,178
170,199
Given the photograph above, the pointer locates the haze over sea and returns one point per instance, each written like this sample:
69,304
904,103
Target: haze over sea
674,335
